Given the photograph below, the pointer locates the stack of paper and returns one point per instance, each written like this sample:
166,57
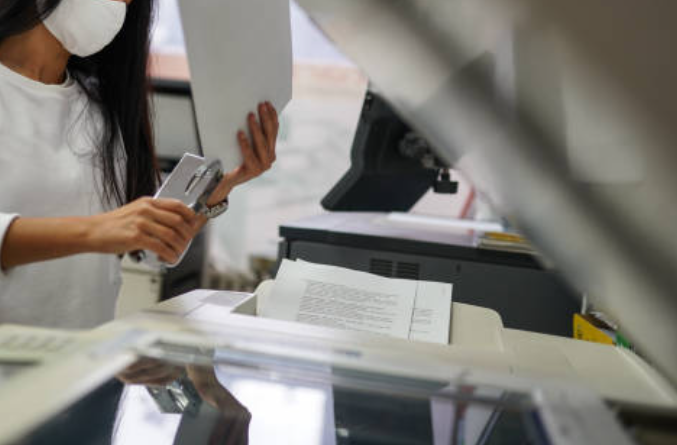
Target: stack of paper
358,301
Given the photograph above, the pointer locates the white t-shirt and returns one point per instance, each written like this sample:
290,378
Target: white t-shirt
48,168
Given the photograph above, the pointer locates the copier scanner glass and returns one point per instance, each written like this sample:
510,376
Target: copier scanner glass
161,401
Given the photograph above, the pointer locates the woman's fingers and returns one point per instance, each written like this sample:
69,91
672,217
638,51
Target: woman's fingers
249,160
147,237
141,365
175,222
167,227
275,116
276,130
163,226
271,127
268,124
150,372
166,253
258,152
260,145
168,236
175,206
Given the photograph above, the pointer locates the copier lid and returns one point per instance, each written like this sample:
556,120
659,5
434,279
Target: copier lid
158,401
563,113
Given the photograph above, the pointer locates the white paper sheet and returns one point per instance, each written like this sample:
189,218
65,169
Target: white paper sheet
432,313
345,299
342,298
240,54
431,317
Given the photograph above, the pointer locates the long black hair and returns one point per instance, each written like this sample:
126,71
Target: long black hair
115,80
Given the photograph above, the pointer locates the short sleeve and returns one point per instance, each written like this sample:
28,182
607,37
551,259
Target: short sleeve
6,220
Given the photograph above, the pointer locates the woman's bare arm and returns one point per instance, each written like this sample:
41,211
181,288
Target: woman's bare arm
29,240
162,226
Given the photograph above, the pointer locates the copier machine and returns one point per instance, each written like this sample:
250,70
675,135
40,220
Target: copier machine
366,228
202,368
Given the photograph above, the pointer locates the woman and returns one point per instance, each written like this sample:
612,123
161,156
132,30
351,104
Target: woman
77,160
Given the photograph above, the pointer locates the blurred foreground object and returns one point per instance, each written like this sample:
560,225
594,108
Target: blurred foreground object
571,126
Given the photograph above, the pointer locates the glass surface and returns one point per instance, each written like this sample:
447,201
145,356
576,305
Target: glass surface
156,401
648,425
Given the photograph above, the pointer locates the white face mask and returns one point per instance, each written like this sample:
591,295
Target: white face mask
85,27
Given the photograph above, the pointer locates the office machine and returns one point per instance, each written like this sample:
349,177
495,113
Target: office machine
391,168
516,285
202,369
392,164
571,134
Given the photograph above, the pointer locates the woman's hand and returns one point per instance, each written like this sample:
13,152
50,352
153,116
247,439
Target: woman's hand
258,154
207,385
149,372
163,226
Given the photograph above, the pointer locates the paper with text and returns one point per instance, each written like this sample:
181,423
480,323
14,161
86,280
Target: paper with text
432,313
358,301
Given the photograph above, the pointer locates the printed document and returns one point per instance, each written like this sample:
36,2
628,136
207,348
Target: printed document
358,301
432,313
